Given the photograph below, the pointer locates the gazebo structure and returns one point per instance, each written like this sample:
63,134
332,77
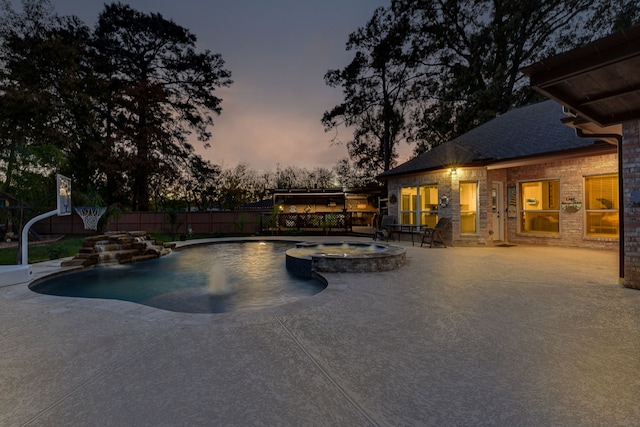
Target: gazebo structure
599,85
325,208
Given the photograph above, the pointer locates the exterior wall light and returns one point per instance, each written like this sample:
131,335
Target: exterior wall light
454,171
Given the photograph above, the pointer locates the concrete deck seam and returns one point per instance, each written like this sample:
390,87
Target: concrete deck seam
324,372
94,377
378,294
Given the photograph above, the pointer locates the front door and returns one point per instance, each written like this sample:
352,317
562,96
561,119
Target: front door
497,205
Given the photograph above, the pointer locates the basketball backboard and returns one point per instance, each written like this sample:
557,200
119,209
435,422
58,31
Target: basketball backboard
64,195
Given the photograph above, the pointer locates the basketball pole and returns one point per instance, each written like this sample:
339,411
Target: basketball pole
63,201
25,234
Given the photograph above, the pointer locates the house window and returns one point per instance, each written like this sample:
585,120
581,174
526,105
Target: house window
601,206
408,205
540,206
468,207
419,205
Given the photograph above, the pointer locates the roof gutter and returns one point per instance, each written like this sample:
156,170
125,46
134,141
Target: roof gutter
585,135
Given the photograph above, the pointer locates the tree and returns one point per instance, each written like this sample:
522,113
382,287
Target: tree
202,181
429,70
40,75
195,186
289,177
237,187
348,175
318,177
381,88
160,90
114,109
477,47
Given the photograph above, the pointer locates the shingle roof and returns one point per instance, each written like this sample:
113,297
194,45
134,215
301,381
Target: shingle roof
531,130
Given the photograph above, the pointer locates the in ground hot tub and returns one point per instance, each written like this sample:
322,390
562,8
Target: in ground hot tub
344,257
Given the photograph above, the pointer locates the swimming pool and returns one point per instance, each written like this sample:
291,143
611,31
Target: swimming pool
212,278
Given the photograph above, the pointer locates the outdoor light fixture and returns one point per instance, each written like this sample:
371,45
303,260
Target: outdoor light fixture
454,171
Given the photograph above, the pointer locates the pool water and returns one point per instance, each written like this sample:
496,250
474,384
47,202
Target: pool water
338,249
215,278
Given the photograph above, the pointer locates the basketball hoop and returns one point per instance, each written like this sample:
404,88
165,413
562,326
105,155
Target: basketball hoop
90,215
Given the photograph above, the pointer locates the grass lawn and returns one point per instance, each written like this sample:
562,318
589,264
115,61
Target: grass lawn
70,245
65,247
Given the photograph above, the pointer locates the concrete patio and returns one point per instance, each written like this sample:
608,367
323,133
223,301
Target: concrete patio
507,336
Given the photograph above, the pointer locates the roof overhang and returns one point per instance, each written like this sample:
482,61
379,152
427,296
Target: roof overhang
321,192
599,82
451,165
308,194
594,150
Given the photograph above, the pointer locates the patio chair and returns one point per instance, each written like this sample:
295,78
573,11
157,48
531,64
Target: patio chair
385,231
436,235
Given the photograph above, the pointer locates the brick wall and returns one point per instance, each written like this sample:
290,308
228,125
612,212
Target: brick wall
631,179
571,173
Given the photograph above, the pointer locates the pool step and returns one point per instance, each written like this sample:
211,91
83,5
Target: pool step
77,262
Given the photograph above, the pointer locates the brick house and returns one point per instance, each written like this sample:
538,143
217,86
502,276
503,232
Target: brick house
522,178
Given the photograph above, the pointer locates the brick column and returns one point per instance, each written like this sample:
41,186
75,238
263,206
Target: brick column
631,178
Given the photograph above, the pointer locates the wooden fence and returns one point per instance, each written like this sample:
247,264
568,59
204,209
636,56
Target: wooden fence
329,221
200,223
225,222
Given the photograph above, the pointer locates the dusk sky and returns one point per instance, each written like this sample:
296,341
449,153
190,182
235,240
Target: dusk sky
278,52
